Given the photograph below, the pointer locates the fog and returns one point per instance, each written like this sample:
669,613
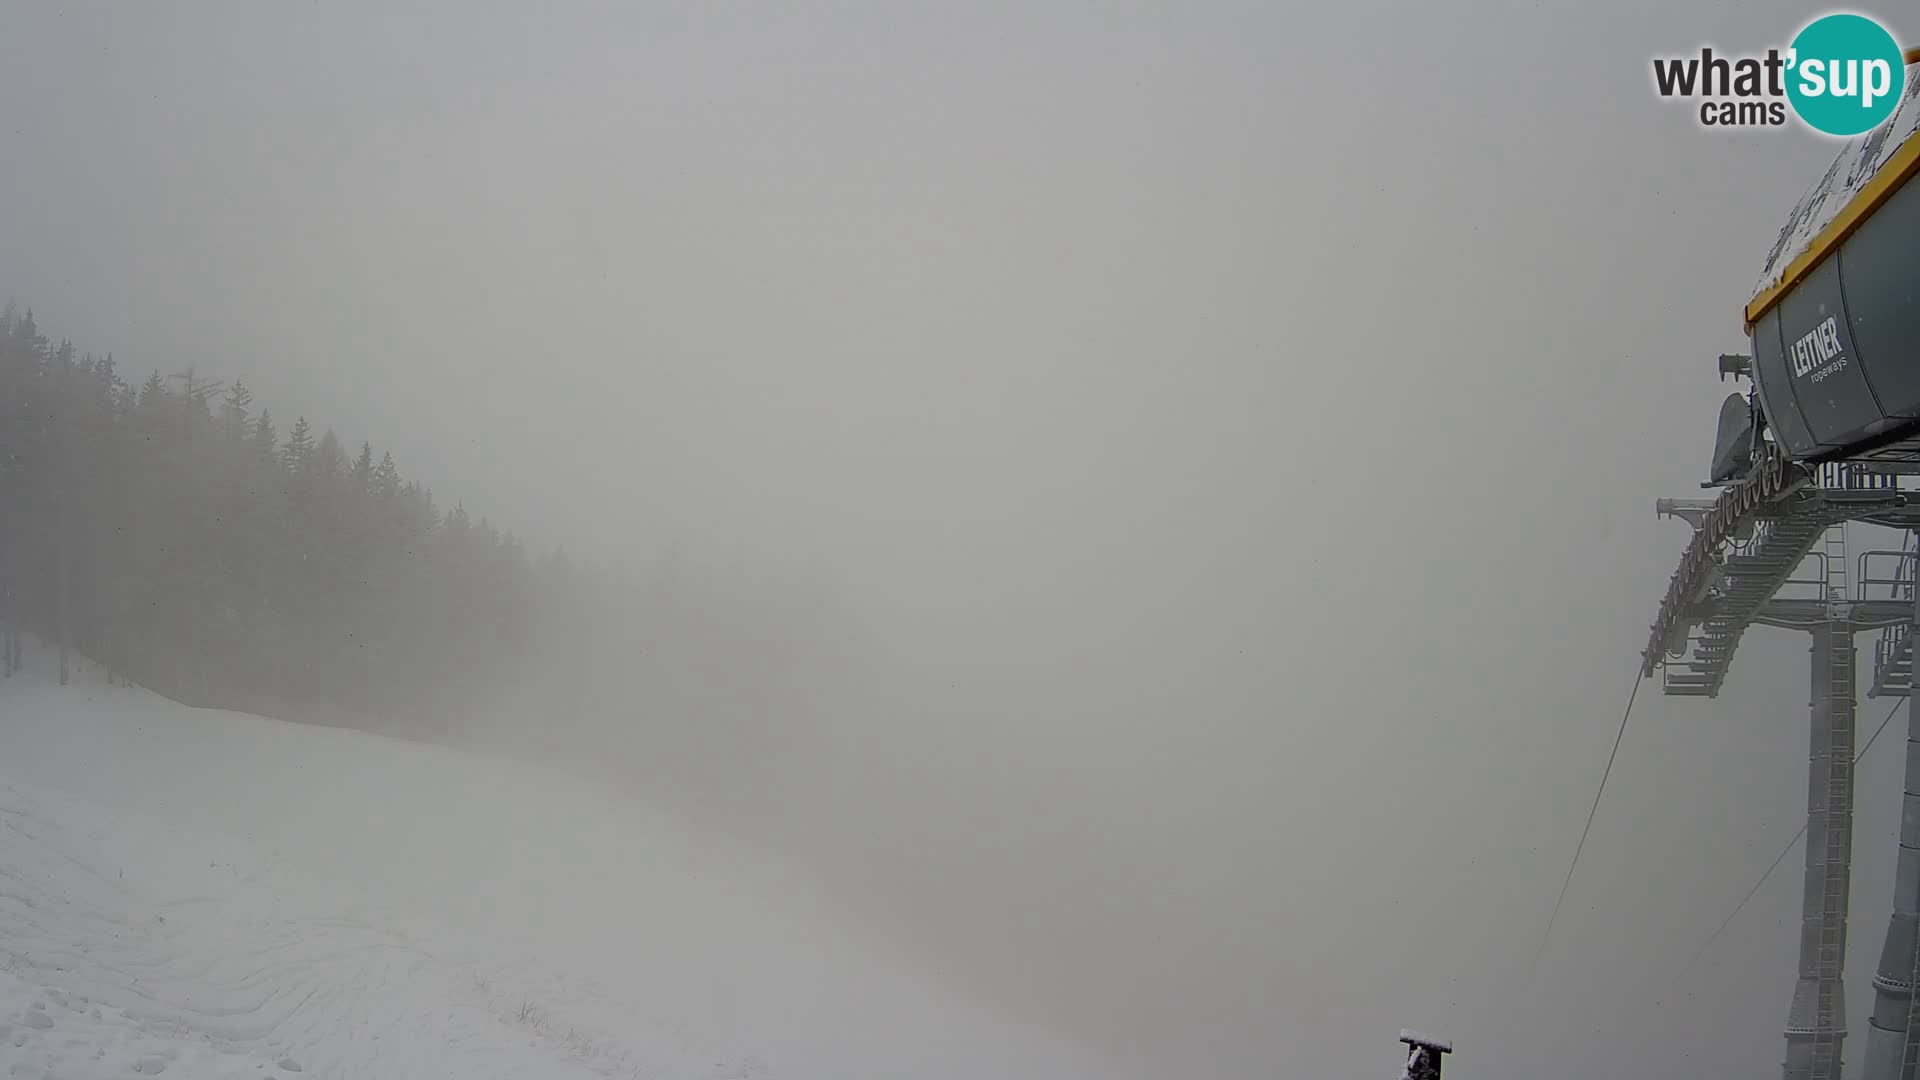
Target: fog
1183,475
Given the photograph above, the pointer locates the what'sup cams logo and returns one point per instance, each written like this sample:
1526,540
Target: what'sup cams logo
1842,75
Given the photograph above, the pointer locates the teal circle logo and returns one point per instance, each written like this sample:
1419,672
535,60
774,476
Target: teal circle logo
1845,75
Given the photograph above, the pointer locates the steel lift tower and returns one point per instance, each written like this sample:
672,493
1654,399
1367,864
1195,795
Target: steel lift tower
1757,573
1829,433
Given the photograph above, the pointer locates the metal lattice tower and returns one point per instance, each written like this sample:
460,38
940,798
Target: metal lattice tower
1826,432
1817,1019
1747,565
1893,1036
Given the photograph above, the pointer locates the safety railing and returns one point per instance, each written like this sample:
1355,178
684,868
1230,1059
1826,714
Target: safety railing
1893,651
1854,476
1797,587
1884,575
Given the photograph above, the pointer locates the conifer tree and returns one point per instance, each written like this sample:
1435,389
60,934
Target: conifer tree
176,539
265,439
233,411
298,451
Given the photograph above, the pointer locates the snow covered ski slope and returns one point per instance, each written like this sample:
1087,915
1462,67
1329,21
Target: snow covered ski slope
210,894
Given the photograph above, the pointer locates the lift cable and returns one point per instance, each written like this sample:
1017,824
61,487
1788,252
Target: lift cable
1907,546
1785,851
1585,829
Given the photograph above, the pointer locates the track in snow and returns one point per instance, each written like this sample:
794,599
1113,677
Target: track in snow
191,950
208,894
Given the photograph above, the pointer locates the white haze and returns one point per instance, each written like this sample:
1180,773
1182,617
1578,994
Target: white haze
1214,446
222,889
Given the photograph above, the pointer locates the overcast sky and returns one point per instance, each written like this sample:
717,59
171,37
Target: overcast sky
1260,409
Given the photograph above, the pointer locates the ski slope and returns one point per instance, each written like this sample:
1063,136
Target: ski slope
199,893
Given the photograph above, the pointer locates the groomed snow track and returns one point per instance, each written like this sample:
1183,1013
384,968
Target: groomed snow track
205,894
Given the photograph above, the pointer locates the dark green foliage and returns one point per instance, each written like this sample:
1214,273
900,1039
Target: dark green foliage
167,533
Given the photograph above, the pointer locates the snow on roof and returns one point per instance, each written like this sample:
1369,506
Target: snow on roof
1855,165
1418,1039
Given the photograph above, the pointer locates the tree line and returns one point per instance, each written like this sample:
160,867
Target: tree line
174,532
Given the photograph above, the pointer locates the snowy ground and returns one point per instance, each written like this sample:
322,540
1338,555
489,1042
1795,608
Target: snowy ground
210,894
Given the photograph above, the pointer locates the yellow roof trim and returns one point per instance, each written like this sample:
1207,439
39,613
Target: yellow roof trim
1889,180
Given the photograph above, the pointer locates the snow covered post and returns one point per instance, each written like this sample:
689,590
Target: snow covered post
1424,1055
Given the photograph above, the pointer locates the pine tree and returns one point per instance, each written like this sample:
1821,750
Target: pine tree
297,454
265,439
330,460
153,392
386,478
233,411
176,539
363,470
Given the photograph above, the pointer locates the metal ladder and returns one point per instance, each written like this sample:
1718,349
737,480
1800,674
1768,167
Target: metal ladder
1834,547
1820,1022
1838,836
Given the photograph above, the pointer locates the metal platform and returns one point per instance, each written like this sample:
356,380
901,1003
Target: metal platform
1746,564
1892,664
